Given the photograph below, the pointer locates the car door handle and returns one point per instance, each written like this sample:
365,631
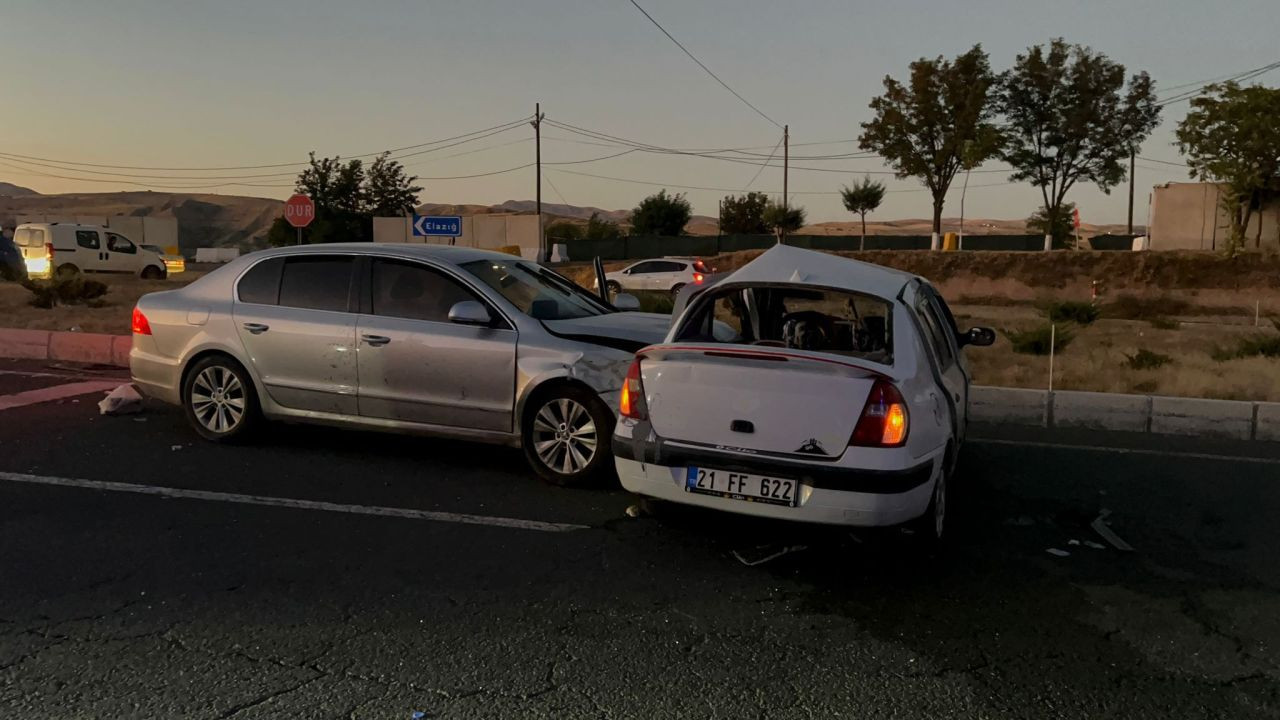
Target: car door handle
256,328
376,340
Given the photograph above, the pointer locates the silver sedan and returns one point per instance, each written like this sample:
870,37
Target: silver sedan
441,340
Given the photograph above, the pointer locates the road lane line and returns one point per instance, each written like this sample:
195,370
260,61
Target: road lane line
168,492
56,392
1126,451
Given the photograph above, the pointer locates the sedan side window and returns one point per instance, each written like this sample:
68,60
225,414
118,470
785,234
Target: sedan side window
120,244
937,332
643,268
316,282
88,239
408,290
261,285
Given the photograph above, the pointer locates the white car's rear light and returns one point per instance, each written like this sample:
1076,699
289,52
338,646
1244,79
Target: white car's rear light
884,421
631,404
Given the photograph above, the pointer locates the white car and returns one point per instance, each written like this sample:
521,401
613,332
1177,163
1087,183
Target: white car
803,387
70,248
661,275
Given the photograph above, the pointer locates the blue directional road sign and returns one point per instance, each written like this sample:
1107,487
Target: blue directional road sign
437,226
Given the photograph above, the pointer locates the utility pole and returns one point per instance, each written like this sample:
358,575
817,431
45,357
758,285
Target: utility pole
786,163
1133,155
543,249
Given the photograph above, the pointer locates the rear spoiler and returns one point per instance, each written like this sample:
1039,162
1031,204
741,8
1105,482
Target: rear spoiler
767,354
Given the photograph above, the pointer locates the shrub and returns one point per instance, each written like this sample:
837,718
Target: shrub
1072,311
1256,346
1147,360
66,290
1036,341
656,302
1164,323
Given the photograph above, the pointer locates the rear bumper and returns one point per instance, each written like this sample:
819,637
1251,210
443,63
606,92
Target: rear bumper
829,494
156,376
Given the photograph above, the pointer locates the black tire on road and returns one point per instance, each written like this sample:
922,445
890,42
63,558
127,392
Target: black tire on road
930,529
675,289
566,433
219,400
151,272
68,270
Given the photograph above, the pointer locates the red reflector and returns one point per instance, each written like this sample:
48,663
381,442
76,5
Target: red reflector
884,421
631,404
139,323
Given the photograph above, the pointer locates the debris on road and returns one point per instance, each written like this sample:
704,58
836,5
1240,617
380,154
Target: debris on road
1094,545
175,447
770,552
633,511
1100,526
124,400
1057,553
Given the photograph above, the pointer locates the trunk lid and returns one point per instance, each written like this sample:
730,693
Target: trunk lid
761,399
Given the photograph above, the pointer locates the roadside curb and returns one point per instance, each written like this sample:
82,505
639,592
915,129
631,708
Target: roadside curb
1159,415
96,348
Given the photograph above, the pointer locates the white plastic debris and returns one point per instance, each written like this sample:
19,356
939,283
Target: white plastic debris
1100,526
124,400
1057,553
770,554
175,447
1094,545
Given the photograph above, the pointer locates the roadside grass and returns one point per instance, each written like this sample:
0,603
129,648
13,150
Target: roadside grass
1144,359
1253,346
1039,340
1062,311
108,313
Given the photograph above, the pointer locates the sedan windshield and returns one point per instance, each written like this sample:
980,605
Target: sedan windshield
536,291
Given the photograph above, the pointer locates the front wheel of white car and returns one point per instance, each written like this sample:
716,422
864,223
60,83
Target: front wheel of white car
566,435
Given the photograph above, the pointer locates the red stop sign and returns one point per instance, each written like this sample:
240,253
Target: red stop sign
299,211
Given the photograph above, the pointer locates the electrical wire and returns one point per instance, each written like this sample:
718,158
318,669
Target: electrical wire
704,67
1239,77
735,190
762,166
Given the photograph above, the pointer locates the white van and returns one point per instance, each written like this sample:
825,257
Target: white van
67,248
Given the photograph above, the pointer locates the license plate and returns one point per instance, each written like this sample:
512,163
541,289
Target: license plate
742,486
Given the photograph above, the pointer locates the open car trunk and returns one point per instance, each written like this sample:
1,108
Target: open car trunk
769,400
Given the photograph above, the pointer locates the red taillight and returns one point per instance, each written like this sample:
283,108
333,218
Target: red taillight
631,404
697,278
884,421
139,323
48,250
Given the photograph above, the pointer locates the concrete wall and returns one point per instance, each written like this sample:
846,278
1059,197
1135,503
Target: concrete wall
1189,216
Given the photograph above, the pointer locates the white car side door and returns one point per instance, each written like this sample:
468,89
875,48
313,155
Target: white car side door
941,342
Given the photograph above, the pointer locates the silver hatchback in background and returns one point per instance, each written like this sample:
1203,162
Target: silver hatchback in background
439,340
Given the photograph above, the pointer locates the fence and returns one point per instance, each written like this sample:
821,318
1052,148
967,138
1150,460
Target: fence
645,246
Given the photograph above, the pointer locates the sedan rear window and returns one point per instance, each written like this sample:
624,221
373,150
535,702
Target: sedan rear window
799,318
261,285
316,283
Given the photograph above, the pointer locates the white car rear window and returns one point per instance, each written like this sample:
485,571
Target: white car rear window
28,237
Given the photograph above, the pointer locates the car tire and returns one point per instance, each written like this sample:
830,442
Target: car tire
561,424
151,272
614,288
930,529
675,289
67,270
219,400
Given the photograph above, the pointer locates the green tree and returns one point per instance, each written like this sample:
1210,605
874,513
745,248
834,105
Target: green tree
783,219
1231,136
601,229
921,128
564,231
744,215
334,186
1058,224
388,191
1070,118
861,198
661,214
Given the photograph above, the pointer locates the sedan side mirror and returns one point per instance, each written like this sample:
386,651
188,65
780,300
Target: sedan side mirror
470,312
978,337
626,303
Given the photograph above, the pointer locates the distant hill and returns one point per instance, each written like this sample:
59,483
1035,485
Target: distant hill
11,190
204,220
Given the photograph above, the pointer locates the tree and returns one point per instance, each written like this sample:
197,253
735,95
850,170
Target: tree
921,128
1231,136
1067,120
744,215
1058,224
334,186
661,214
564,231
601,229
388,191
783,219
861,198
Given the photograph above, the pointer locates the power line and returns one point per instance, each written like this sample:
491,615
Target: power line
704,67
502,128
1163,162
558,193
763,166
735,190
1238,77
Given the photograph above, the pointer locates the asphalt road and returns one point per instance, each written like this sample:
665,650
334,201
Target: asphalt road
116,603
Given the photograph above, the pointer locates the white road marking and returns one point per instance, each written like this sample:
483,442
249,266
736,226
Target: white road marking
56,392
168,492
1127,451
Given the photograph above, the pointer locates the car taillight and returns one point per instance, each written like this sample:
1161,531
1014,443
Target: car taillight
632,402
697,278
48,251
884,421
139,323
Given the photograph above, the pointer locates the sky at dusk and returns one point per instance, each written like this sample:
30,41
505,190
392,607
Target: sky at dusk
180,84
